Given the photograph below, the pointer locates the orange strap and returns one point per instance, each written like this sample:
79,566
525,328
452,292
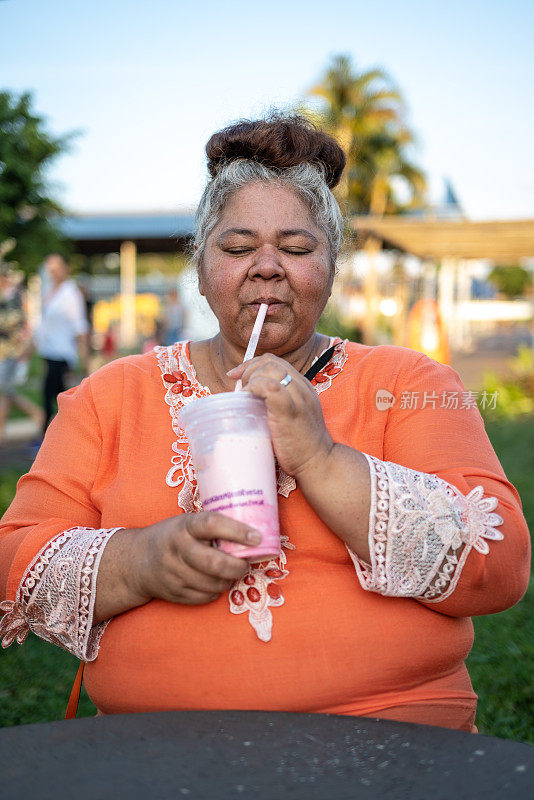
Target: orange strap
72,707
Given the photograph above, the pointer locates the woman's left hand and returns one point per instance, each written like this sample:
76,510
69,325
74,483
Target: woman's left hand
295,417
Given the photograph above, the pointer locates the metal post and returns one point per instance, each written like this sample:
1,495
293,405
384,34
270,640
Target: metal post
464,298
128,254
446,296
370,290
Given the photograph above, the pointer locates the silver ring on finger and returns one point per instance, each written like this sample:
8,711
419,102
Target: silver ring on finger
286,379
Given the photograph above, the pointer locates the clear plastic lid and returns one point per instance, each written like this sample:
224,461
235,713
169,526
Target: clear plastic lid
221,406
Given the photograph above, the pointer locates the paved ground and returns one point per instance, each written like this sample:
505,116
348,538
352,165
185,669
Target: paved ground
15,451
491,354
15,456
472,367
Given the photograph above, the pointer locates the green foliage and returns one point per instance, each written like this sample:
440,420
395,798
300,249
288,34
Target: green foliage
500,666
515,396
366,114
8,485
35,683
511,281
27,232
35,678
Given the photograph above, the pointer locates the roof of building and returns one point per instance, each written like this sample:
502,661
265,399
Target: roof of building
152,232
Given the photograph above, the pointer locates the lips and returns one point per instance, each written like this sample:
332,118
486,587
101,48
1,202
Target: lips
269,300
273,303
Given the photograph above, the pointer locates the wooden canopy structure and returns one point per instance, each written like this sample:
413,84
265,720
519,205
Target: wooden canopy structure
452,243
504,242
128,234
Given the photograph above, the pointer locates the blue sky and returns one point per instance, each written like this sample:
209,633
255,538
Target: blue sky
148,82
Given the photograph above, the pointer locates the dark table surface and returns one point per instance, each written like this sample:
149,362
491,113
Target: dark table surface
260,755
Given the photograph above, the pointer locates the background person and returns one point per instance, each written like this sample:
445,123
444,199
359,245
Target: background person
62,336
172,318
14,350
397,525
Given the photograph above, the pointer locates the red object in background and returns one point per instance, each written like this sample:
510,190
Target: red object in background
109,345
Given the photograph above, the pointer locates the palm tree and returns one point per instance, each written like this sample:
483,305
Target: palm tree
379,168
365,113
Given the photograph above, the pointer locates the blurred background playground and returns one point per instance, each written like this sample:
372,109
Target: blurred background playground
101,159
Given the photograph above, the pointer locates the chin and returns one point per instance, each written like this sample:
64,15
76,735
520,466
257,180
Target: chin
279,343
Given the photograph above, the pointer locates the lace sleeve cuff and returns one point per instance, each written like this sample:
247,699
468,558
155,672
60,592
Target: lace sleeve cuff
421,530
56,596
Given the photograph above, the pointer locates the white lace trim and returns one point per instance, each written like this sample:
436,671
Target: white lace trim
421,530
56,596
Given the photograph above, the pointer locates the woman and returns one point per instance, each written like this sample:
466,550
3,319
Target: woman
385,514
62,336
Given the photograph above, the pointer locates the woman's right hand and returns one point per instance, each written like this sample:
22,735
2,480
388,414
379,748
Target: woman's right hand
176,560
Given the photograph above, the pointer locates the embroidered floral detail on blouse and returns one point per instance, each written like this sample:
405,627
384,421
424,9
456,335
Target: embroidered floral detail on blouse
182,387
323,379
257,591
55,598
421,531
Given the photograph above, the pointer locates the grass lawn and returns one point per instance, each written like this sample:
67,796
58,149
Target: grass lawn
501,663
35,679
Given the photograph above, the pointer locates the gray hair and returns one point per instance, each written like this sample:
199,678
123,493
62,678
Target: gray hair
307,180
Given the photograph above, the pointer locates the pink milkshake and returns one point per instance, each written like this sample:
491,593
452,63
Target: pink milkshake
234,465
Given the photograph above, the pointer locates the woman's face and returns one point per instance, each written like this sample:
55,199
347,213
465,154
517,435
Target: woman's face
266,248
57,268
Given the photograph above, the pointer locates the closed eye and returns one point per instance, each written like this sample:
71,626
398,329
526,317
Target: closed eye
294,251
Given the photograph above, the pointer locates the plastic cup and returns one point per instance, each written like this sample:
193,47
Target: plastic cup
234,464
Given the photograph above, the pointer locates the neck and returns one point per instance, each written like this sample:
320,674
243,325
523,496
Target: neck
224,355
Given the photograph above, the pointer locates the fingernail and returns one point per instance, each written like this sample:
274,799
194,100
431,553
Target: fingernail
231,370
253,537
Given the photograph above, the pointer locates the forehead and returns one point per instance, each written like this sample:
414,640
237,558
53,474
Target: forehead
266,207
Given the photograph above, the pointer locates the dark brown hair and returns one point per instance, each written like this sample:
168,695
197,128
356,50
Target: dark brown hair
277,142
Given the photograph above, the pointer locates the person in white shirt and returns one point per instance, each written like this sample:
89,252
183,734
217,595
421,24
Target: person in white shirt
62,336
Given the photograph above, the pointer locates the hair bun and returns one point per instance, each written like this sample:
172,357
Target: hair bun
278,142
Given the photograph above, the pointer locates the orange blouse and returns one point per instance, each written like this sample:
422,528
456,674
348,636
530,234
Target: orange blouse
338,640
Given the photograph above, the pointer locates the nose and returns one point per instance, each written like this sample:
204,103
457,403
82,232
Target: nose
267,263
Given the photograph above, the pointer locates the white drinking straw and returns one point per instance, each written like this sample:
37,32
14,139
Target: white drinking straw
254,337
